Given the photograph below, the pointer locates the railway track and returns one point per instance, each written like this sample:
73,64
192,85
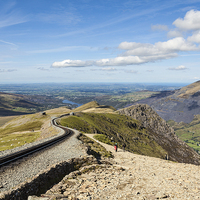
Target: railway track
23,153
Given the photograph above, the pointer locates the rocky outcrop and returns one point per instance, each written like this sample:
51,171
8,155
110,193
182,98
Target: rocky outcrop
162,133
130,176
46,179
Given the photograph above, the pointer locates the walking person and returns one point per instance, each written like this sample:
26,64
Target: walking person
115,147
124,146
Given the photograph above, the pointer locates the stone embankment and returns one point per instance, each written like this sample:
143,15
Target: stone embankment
24,170
129,176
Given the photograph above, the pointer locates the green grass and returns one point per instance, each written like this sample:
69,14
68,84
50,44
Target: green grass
103,138
36,125
14,140
189,133
4,120
21,130
121,128
95,149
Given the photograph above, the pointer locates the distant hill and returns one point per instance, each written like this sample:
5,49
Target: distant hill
139,127
179,105
28,128
94,107
18,104
15,104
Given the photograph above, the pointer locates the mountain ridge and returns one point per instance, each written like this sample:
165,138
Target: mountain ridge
179,105
162,133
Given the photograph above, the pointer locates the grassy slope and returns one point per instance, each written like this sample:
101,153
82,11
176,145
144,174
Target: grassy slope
14,104
190,133
189,90
120,128
19,131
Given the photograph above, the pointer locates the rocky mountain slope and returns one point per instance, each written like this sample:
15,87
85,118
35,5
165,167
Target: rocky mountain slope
162,134
139,127
128,176
179,105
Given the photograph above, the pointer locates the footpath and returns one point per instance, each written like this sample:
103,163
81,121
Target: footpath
131,176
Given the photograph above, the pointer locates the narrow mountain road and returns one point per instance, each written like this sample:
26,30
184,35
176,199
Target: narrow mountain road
149,178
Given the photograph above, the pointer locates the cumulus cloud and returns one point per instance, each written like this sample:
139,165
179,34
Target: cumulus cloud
190,21
138,53
159,50
181,67
72,63
159,27
174,33
196,78
195,37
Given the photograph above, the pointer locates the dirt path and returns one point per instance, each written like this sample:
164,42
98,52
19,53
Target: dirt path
154,178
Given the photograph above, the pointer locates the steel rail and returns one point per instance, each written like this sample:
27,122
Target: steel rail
22,153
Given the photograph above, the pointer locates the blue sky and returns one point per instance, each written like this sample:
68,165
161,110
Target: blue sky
99,41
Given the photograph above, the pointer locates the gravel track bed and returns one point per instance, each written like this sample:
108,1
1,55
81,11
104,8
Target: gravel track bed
19,171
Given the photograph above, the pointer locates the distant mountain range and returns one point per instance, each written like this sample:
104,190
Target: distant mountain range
179,105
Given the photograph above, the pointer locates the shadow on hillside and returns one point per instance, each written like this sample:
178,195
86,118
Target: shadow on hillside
4,112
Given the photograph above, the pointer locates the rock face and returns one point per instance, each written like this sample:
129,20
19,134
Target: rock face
44,180
163,134
128,176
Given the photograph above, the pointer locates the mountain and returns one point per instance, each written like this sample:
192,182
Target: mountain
179,105
15,104
139,127
18,104
162,134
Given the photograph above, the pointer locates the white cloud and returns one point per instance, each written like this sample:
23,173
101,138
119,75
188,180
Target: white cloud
196,78
119,61
139,53
174,33
72,63
191,21
181,67
109,69
159,27
195,37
